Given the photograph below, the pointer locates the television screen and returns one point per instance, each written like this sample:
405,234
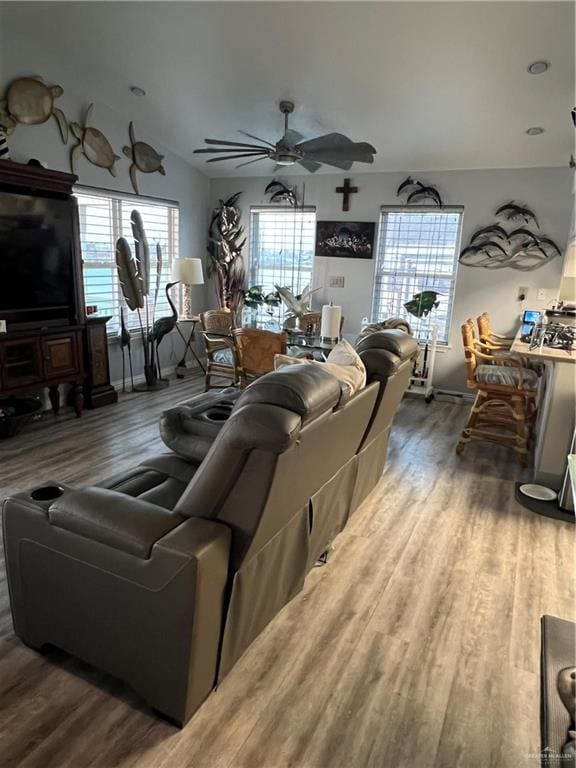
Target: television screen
35,253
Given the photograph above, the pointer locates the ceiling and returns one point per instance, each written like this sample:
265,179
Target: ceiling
432,85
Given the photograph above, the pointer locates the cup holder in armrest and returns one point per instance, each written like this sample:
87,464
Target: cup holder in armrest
218,413
47,493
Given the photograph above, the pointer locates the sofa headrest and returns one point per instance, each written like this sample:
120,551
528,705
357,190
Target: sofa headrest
306,390
392,340
384,351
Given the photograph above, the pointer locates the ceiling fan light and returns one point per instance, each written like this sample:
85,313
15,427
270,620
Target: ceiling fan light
285,160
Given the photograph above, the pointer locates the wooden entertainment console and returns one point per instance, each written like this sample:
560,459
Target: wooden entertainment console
30,362
44,352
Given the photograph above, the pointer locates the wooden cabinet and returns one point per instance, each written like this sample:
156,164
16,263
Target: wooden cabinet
32,361
97,388
60,356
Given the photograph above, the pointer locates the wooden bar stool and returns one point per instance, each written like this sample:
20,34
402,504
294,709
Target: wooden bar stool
489,336
505,405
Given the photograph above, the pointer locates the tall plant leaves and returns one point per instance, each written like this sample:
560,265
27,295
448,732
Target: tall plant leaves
129,275
142,250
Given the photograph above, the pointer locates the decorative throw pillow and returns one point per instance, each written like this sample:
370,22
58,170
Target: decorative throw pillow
345,354
343,363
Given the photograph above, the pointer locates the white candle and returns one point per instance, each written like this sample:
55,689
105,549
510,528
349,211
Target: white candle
330,325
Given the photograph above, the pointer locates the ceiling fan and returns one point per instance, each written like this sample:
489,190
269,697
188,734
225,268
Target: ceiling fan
331,149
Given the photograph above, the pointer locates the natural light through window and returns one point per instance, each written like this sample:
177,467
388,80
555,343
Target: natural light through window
417,251
281,248
105,218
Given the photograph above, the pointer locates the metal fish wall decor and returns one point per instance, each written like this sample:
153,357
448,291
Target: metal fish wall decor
279,192
416,191
492,247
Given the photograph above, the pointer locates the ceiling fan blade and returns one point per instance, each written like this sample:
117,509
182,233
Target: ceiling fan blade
249,162
310,165
235,157
257,138
209,151
233,143
334,147
344,165
292,137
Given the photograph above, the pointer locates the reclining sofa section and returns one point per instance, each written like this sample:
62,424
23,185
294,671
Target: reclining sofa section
164,576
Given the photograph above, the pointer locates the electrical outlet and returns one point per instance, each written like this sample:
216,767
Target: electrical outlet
2,326
542,294
522,293
336,281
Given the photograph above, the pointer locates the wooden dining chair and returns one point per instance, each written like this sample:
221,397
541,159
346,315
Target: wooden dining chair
505,404
255,352
489,336
221,361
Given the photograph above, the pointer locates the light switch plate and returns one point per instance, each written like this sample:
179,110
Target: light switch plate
2,326
336,281
542,294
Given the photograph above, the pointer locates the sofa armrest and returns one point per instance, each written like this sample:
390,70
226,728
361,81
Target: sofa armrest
115,519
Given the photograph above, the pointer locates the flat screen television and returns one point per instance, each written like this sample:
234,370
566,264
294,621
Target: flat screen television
36,261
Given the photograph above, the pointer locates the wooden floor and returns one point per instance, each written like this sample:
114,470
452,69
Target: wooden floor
416,646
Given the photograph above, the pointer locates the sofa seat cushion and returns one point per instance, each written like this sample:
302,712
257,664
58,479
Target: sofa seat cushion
506,375
161,480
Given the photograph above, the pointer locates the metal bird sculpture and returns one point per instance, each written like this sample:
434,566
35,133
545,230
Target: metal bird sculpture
297,305
125,339
416,191
422,303
279,192
163,326
512,211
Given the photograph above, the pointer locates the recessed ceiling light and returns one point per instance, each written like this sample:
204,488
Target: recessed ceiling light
538,67
137,91
535,131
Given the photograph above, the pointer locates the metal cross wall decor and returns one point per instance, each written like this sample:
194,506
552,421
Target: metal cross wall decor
346,191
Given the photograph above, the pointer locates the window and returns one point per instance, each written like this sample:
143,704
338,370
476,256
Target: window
281,248
103,219
417,251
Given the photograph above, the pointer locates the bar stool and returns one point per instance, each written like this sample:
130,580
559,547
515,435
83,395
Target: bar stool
505,405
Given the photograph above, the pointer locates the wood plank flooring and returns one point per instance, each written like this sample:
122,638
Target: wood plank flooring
417,646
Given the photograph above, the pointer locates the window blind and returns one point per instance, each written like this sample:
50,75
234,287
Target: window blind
281,248
417,251
103,219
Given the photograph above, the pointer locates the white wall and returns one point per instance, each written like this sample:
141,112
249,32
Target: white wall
546,190
182,183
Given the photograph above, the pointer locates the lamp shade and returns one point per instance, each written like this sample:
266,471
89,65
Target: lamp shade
188,271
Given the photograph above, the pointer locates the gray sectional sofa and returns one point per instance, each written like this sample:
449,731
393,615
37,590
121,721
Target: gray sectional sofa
164,576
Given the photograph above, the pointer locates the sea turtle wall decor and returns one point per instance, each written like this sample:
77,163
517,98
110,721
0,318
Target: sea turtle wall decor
93,145
29,101
144,158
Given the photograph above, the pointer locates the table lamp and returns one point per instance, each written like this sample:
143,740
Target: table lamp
188,272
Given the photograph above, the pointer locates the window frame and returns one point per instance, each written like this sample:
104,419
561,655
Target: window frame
251,277
418,209
129,200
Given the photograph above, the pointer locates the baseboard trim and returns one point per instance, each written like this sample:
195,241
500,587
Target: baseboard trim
139,378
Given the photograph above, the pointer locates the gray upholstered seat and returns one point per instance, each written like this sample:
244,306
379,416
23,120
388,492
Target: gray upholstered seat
506,375
164,577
